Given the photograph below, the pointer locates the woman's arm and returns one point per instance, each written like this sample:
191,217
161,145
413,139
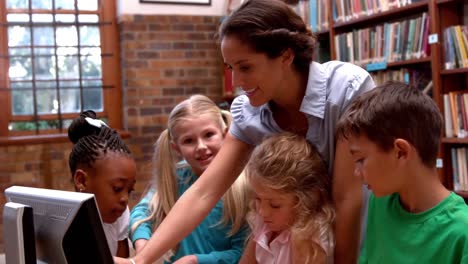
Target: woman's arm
193,206
347,195
249,253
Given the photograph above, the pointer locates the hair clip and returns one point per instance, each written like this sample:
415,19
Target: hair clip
95,122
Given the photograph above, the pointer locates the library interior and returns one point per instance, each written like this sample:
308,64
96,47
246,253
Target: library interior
134,63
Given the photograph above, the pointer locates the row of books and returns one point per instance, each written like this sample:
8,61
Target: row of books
456,47
347,10
314,13
459,168
418,78
390,42
381,77
319,15
456,114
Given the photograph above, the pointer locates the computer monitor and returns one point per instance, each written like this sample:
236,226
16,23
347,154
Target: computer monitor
18,231
68,226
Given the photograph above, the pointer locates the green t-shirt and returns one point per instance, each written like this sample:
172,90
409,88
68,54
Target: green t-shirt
438,235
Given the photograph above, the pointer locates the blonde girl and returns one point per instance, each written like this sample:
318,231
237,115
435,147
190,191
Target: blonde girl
292,214
195,133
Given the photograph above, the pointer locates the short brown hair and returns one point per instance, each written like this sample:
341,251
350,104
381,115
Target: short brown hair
395,110
271,27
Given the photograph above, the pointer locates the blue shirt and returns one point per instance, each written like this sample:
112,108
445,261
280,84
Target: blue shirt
331,87
208,241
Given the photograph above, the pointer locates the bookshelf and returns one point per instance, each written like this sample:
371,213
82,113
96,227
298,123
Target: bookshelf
348,16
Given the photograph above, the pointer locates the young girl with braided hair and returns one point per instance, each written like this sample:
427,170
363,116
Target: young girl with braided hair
291,214
101,163
195,132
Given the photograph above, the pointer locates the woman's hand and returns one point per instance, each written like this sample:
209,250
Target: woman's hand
189,259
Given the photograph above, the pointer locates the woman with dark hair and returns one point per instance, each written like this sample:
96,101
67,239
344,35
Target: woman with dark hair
269,49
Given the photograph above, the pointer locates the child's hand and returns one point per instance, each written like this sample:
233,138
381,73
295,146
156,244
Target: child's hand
118,260
189,259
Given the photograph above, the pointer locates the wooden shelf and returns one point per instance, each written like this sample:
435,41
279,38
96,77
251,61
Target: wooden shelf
408,62
454,71
463,194
382,17
442,2
322,32
455,140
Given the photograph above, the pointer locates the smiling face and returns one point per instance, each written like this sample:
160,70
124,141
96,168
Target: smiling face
276,208
112,179
378,169
198,140
259,76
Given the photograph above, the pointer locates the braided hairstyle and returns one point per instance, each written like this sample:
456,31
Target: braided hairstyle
92,142
271,27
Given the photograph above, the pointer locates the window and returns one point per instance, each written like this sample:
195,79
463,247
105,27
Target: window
57,58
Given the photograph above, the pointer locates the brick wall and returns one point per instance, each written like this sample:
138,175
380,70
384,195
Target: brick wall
164,60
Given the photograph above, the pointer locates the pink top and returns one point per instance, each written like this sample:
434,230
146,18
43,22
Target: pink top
278,251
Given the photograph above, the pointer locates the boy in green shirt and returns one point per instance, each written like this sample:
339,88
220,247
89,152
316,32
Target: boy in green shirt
394,134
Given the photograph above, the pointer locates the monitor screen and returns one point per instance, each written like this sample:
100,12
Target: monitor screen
67,225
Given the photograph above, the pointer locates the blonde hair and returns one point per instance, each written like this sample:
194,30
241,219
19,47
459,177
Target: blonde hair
289,164
164,169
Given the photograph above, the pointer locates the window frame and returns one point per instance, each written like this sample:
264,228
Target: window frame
111,81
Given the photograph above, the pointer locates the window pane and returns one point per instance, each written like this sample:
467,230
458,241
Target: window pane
92,99
21,85
22,102
42,18
89,36
65,18
19,51
43,36
22,126
43,51
91,5
67,51
70,101
42,4
46,84
69,84
48,124
66,123
20,68
88,18
44,67
17,4
47,102
66,4
19,36
91,66
17,18
91,51
67,36
68,67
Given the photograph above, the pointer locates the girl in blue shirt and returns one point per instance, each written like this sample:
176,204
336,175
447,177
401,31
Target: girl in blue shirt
195,133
